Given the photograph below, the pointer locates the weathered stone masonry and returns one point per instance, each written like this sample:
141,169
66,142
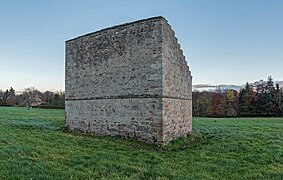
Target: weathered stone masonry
130,80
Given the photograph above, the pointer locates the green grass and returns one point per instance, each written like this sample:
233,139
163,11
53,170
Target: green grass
33,145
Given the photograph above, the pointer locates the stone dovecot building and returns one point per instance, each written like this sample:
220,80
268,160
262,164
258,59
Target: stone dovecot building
129,80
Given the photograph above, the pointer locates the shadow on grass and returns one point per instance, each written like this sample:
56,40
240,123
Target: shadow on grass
179,144
28,124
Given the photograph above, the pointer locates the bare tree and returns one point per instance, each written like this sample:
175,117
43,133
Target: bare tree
30,96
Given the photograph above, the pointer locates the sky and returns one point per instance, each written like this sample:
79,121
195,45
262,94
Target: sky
224,41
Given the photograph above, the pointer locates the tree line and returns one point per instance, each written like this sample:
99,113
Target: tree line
31,97
261,98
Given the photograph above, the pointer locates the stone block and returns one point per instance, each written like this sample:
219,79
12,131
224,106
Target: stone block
129,80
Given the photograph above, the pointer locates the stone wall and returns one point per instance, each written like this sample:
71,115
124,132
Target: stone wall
130,80
177,86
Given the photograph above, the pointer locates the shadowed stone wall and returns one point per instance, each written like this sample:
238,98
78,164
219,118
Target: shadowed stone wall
130,80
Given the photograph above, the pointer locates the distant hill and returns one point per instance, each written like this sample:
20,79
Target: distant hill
280,83
223,87
212,88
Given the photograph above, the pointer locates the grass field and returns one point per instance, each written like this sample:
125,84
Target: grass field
33,145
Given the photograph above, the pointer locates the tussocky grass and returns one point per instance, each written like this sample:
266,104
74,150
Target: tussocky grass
34,146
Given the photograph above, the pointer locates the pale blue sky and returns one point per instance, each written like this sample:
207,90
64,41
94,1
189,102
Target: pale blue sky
225,41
